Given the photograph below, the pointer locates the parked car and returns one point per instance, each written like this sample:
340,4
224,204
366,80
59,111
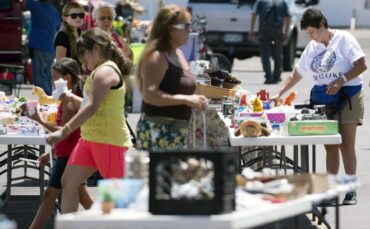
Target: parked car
11,32
228,24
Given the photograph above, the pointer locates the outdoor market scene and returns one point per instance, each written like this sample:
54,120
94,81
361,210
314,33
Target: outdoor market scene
163,114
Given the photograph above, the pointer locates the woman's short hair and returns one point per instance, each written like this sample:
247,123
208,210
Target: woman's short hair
313,18
96,11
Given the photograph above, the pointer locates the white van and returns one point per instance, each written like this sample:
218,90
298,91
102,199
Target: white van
228,24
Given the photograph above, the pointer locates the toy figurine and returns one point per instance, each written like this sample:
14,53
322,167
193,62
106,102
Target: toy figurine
290,98
43,98
257,105
263,94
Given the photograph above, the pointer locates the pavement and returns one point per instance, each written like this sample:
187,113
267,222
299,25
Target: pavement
23,206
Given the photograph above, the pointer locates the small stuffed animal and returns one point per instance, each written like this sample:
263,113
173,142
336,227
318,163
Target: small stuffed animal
44,99
252,128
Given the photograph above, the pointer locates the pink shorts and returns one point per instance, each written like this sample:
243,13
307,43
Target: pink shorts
107,159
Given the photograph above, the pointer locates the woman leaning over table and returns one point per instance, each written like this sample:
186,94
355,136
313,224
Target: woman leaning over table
166,84
104,133
103,18
334,58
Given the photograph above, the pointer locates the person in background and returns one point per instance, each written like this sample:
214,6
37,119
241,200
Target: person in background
166,84
69,70
333,58
73,16
103,18
104,134
274,22
45,22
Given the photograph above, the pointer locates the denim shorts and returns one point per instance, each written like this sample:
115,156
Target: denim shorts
57,173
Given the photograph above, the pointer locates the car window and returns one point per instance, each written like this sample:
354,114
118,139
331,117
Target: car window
5,4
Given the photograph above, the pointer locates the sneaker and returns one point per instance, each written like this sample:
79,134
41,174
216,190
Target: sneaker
350,199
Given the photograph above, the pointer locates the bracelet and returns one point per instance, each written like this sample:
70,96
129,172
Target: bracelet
344,78
68,128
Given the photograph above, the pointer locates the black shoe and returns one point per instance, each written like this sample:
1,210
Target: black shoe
270,82
350,199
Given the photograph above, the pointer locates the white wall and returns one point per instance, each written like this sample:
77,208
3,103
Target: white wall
339,12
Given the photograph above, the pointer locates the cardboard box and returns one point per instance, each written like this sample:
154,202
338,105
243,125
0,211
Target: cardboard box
317,183
312,127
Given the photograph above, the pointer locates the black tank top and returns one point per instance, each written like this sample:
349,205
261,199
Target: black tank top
175,81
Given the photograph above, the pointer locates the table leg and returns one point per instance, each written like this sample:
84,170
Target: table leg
42,172
304,159
295,158
9,173
337,219
313,158
283,158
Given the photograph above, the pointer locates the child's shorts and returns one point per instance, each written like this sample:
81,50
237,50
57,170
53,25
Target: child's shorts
107,159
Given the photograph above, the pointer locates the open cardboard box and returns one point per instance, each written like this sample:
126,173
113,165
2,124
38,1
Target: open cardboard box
317,183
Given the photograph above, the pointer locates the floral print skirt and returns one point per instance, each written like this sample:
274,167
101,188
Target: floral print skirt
160,133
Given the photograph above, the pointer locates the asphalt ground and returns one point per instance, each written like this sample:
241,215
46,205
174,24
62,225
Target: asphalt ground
23,205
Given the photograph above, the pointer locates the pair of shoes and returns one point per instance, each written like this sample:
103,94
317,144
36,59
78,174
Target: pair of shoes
350,199
327,203
270,82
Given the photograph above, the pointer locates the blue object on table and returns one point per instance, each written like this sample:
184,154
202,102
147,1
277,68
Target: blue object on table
122,191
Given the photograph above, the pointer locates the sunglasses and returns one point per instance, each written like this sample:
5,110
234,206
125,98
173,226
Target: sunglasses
103,18
185,26
75,15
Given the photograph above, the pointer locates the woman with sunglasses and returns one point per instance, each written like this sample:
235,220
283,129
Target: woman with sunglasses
103,18
65,41
166,84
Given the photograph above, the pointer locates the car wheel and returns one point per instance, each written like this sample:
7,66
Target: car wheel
289,53
221,61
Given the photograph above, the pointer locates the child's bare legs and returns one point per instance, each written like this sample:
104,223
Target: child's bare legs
72,179
46,208
85,199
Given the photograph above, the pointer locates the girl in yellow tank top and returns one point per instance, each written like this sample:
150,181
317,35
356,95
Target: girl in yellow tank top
104,134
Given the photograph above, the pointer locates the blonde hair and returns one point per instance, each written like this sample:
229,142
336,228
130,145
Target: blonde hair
159,37
66,28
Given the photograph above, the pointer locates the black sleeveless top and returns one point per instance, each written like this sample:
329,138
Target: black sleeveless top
175,81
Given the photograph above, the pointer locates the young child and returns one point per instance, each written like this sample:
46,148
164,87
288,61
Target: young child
69,70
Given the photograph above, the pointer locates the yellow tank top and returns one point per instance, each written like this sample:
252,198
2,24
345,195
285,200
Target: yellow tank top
108,124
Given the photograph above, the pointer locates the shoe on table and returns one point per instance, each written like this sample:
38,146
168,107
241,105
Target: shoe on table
350,199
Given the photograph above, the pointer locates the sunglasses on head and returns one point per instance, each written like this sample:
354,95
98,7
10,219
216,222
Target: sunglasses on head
103,18
184,26
75,15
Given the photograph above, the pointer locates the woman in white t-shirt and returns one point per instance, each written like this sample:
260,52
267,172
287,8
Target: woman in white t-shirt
335,59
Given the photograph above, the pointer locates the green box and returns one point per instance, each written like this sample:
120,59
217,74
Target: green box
312,127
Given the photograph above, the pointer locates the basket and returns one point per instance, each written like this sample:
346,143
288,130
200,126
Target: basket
233,86
167,173
213,92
